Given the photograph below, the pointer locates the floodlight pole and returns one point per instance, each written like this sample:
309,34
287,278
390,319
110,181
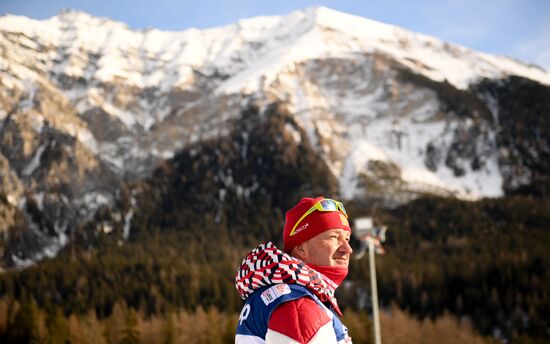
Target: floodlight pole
374,291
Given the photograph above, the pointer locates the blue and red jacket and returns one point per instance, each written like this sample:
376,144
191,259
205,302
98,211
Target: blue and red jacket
288,313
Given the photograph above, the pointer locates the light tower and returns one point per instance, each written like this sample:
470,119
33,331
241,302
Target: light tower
372,238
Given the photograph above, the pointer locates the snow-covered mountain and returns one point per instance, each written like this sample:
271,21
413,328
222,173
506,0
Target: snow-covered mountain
87,104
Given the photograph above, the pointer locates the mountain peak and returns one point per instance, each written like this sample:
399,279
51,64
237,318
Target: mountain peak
82,20
71,13
318,32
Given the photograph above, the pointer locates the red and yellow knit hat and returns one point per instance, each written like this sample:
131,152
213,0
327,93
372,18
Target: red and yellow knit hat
312,225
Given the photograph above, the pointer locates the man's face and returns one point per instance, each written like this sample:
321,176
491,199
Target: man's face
330,248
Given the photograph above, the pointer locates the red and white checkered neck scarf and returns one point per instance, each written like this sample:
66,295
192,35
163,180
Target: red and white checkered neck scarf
267,265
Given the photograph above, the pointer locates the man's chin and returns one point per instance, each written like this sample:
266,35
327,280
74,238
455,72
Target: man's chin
343,263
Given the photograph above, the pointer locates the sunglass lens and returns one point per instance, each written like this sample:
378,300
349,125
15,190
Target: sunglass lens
329,205
342,208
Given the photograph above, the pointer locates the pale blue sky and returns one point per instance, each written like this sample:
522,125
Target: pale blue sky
516,28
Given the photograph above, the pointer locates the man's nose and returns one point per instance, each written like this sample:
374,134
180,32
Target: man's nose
346,248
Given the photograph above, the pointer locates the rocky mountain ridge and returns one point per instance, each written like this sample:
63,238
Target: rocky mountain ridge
87,105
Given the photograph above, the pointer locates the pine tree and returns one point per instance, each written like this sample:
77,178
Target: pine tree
58,328
25,326
130,335
168,333
115,324
92,329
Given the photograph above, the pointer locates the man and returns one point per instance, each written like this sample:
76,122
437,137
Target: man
290,295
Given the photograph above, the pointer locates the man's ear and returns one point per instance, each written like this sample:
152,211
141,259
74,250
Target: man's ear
299,251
